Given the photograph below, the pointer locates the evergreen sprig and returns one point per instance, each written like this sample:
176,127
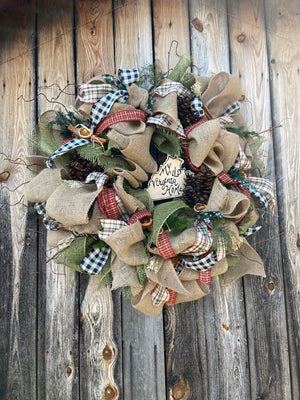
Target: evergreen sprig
64,120
242,132
150,76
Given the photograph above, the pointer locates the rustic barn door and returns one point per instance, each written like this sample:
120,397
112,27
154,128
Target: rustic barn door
61,337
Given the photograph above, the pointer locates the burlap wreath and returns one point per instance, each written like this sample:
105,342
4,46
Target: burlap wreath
106,223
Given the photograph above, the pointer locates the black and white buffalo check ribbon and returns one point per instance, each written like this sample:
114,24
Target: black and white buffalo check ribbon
250,231
95,260
202,264
197,107
232,108
65,148
102,106
49,223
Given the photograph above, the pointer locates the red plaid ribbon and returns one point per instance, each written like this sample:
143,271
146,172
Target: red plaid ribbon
164,246
227,180
107,203
187,131
172,297
205,277
120,116
138,215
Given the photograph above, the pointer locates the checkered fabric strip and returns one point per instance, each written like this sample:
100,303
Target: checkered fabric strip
102,107
203,240
159,295
232,108
90,93
166,122
261,185
95,260
138,215
128,76
65,148
203,264
221,248
121,116
109,226
170,87
164,246
98,177
236,185
242,161
123,213
172,298
107,203
205,278
250,231
49,223
225,120
197,107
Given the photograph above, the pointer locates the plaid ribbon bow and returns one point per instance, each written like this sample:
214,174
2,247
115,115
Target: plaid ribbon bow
102,106
242,161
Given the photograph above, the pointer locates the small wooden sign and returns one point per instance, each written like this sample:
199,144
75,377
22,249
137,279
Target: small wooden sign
168,182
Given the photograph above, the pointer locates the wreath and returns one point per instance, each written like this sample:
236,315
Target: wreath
153,187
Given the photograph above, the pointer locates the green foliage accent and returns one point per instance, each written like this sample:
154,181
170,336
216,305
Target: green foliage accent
141,273
64,119
232,261
180,68
106,277
96,154
74,254
126,292
220,232
42,140
247,219
99,245
167,141
161,214
188,80
177,222
140,194
255,144
242,132
149,76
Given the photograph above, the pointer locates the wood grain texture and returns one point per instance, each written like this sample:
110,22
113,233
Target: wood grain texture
99,321
283,32
18,261
265,308
208,22
94,34
133,33
216,365
142,336
58,313
170,22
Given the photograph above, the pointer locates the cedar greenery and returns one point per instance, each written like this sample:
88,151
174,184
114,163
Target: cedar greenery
64,120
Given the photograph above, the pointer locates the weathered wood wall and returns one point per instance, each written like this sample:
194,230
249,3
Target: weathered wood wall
62,338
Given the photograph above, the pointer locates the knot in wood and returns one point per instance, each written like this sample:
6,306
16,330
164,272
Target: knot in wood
241,38
180,390
107,353
4,176
110,393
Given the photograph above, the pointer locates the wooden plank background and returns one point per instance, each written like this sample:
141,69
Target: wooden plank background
62,338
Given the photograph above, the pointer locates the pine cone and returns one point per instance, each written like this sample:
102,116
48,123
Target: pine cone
79,168
186,115
198,187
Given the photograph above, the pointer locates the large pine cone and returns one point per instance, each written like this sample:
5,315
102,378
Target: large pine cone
186,115
79,168
198,187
